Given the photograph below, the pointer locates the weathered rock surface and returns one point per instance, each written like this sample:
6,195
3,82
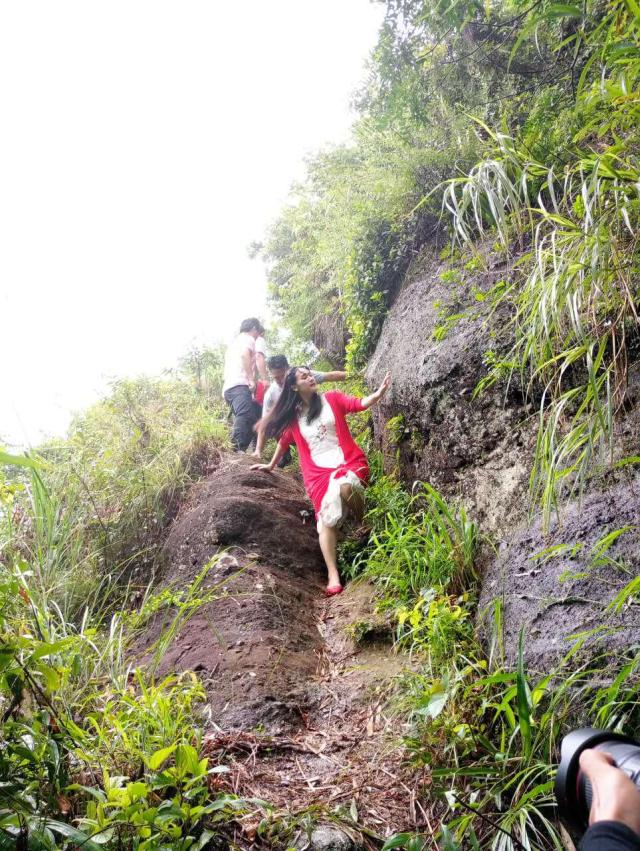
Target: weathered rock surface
563,583
480,451
330,336
477,449
253,645
325,837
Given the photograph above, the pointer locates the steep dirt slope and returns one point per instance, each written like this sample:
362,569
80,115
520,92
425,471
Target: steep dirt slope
254,645
298,709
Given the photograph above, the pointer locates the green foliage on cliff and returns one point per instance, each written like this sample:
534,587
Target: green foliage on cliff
351,229
346,240
576,301
515,120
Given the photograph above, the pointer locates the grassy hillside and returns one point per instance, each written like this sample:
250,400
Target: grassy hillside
91,747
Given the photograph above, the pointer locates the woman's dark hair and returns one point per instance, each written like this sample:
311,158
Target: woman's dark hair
288,406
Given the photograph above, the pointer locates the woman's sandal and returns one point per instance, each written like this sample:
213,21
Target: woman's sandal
332,590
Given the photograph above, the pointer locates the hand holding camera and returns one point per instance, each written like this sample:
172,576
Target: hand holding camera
598,784
615,796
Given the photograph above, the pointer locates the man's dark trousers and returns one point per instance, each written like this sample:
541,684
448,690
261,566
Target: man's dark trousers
245,415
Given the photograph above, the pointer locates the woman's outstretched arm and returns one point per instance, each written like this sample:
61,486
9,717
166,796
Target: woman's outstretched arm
277,455
368,401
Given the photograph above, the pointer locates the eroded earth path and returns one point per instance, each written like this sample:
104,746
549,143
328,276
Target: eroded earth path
300,710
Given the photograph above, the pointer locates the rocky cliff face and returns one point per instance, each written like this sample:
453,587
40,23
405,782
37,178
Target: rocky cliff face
565,582
436,340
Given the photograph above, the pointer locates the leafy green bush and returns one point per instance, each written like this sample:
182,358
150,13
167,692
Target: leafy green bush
92,752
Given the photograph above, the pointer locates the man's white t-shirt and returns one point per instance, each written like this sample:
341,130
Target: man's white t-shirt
261,346
234,371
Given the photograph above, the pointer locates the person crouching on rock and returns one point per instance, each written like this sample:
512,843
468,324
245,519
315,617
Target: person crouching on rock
334,467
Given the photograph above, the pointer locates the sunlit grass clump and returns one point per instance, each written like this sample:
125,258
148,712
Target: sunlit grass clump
93,509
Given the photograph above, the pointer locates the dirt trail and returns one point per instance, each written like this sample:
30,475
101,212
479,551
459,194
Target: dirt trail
298,708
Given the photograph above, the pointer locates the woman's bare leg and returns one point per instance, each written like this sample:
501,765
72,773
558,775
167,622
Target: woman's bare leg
328,541
354,502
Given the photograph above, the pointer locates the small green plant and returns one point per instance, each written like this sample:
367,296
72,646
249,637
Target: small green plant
168,806
450,276
475,264
450,252
447,321
417,440
436,623
396,429
417,542
358,630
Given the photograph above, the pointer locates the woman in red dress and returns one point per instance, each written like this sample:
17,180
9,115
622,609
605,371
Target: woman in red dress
334,467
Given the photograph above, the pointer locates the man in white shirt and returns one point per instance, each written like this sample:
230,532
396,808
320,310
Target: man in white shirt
245,355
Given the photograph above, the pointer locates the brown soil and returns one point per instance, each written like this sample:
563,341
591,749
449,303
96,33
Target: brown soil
299,709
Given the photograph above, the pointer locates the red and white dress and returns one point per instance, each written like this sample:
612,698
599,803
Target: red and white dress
329,456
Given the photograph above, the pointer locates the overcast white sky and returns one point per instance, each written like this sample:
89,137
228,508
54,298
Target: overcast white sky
145,144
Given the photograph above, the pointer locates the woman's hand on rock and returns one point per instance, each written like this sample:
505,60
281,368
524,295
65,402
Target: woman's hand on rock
266,468
386,383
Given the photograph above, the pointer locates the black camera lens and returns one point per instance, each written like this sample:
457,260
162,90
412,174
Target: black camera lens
573,789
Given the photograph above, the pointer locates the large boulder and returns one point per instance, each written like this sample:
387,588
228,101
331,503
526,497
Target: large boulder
562,584
435,341
252,638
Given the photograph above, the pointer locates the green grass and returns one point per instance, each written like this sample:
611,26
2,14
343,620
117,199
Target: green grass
89,517
417,541
94,753
491,739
